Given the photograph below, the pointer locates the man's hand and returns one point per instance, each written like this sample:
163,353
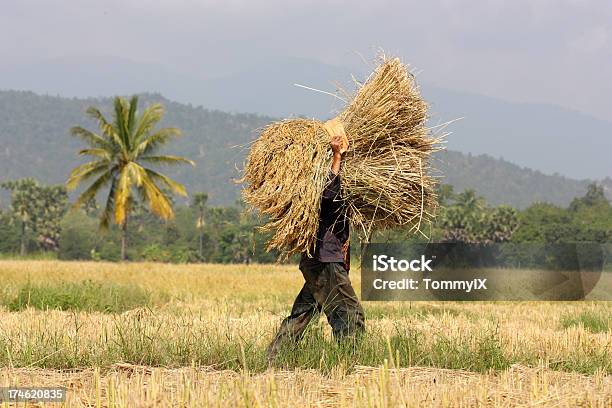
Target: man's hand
336,145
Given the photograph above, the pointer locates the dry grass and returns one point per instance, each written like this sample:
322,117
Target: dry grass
204,346
127,385
386,179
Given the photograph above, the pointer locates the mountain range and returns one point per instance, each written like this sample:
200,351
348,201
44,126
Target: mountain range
547,138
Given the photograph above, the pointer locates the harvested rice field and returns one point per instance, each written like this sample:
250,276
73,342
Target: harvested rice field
135,334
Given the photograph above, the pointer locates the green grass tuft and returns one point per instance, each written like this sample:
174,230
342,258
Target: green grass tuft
594,321
400,311
480,353
88,295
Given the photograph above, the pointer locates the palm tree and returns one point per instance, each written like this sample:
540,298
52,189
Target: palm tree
24,200
469,201
120,154
199,203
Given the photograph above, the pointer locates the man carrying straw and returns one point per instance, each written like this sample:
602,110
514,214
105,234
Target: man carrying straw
386,183
327,285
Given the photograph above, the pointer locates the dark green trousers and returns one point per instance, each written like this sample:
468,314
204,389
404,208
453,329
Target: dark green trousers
327,289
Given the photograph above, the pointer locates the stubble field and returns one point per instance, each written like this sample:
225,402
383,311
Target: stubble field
195,335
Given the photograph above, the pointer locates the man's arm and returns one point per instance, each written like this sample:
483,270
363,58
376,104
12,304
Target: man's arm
332,188
336,145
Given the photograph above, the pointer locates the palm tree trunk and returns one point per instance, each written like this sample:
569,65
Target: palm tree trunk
23,239
124,241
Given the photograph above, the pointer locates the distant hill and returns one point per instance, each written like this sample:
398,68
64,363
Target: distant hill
539,136
502,182
34,142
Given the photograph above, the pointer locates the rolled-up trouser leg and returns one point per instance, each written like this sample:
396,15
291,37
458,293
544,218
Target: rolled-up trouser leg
331,287
292,327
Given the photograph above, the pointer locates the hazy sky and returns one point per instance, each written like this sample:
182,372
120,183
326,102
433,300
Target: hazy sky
557,51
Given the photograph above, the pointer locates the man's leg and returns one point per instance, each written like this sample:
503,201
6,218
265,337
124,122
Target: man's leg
292,328
333,291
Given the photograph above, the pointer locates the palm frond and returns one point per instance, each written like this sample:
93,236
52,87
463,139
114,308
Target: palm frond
141,194
167,160
159,203
122,195
150,143
107,128
131,118
84,172
90,137
96,152
176,187
147,121
93,189
135,172
107,214
121,113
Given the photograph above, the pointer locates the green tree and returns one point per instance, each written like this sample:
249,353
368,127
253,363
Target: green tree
470,219
592,216
23,206
90,207
39,209
498,224
9,233
541,222
469,201
199,204
120,154
246,238
79,239
594,197
588,218
52,205
460,220
446,194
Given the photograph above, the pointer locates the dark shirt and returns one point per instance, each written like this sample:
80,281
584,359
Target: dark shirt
333,232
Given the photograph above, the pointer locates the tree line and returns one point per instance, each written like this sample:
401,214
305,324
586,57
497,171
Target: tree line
39,221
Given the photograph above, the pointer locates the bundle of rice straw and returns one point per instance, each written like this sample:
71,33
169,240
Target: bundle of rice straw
385,174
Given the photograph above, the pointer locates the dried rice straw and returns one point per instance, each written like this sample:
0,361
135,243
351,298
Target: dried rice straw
385,174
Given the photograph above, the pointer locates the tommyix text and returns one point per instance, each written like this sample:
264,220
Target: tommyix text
385,263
